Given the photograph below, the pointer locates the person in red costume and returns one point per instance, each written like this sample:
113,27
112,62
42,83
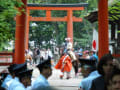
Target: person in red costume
65,65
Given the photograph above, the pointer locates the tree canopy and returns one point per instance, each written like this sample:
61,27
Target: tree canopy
114,10
7,22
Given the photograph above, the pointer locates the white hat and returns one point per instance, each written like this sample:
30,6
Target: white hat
67,38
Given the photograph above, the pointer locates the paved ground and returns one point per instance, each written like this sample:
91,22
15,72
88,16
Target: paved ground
61,84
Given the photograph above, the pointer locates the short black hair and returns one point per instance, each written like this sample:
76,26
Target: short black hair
90,63
26,73
44,65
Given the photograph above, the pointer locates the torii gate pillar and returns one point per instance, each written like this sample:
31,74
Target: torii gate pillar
20,36
70,25
103,27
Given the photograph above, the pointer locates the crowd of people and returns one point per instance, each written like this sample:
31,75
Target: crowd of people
98,74
37,55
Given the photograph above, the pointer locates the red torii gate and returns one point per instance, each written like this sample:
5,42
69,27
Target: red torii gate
21,29
50,7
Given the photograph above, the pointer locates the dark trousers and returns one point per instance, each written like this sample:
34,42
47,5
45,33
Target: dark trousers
75,66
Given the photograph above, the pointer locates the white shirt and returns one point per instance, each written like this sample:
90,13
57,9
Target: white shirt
69,45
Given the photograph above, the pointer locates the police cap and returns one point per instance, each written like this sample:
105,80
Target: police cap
25,73
88,62
19,67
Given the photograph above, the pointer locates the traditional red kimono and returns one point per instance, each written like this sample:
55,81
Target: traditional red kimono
64,64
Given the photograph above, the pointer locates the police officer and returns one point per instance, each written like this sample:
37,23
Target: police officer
89,72
9,77
24,80
3,75
24,77
45,69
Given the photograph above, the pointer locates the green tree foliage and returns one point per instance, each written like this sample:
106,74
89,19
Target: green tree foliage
114,11
41,32
83,33
93,5
7,23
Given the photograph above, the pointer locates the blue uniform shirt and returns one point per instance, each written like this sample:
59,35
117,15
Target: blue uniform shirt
16,85
85,84
41,82
8,78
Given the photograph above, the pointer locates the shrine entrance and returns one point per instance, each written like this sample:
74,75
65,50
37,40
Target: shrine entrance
21,38
52,7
